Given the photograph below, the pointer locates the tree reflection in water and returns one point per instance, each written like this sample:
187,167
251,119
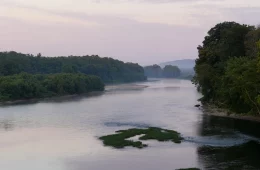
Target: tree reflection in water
237,157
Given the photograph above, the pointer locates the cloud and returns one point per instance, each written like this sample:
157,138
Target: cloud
155,1
127,40
147,33
211,14
245,15
194,13
147,1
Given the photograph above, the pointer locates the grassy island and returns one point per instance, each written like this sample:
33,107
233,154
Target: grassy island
33,86
121,138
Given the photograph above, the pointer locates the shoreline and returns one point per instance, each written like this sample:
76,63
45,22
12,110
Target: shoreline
108,88
48,99
215,111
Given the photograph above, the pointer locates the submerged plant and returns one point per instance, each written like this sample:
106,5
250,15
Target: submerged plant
121,138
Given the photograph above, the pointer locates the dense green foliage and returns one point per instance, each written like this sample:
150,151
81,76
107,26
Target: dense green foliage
120,139
186,77
246,156
187,74
169,71
28,86
108,69
154,71
227,67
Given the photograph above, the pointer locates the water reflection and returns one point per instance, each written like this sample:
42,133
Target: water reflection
212,125
241,157
62,99
62,133
234,155
73,98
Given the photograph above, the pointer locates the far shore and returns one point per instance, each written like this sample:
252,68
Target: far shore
215,111
125,86
49,99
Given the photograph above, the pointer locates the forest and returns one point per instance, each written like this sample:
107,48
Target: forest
24,76
108,69
155,71
28,86
228,67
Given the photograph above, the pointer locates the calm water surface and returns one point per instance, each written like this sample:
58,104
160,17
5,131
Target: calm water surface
61,134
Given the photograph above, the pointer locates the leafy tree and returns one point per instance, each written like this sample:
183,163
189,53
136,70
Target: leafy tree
224,41
227,70
170,71
251,40
156,71
108,69
153,71
240,86
28,86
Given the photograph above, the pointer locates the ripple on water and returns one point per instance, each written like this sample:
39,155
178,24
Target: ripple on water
222,140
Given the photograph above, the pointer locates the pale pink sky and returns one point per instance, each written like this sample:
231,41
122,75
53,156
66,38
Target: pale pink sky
143,31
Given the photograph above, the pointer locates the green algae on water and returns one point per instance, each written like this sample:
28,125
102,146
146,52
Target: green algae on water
121,138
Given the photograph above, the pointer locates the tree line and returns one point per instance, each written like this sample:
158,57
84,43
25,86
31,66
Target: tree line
228,67
108,69
155,71
29,86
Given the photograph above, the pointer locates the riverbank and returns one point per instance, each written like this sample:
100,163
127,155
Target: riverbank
51,99
69,130
215,111
125,86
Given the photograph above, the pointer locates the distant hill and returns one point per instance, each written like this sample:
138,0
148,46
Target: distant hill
185,64
186,67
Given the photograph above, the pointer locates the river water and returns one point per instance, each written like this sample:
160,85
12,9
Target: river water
62,134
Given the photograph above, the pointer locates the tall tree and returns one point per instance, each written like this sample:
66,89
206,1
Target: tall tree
251,42
170,71
153,71
224,41
108,69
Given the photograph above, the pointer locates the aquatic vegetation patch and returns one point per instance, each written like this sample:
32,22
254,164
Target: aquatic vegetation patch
121,138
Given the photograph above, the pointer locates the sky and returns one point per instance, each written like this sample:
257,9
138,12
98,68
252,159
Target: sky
140,31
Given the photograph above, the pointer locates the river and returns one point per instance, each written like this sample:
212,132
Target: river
62,134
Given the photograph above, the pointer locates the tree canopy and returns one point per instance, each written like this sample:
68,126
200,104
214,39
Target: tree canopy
226,69
155,71
28,86
108,69
170,71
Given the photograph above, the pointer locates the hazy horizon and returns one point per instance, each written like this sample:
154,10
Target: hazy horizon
140,31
